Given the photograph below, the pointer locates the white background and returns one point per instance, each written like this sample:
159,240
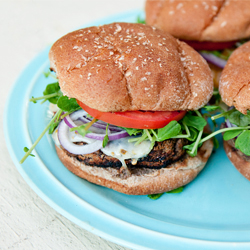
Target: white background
26,28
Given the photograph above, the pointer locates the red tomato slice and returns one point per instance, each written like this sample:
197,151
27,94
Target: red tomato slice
136,119
210,45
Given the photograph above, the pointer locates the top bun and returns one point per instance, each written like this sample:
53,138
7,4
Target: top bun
127,67
199,20
234,82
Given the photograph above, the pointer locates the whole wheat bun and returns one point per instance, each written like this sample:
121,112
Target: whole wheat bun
234,84
201,20
142,181
127,66
238,161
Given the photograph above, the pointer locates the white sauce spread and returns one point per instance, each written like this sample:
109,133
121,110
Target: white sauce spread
122,149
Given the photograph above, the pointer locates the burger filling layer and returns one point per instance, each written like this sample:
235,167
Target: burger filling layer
161,156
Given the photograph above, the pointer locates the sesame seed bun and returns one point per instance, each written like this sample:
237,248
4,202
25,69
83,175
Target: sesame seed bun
142,181
127,67
199,20
234,85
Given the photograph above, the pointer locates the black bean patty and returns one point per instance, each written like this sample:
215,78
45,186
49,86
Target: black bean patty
161,156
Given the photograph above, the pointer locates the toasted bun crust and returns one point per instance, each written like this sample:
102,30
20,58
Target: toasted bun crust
242,165
142,181
209,20
234,84
123,66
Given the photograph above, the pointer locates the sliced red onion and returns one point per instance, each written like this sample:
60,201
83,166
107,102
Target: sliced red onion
69,121
81,115
100,124
229,124
112,137
99,134
214,59
78,114
63,137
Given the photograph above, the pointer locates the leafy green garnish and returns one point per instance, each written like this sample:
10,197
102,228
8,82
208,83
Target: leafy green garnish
228,135
212,108
33,99
141,20
238,118
223,54
216,142
83,129
49,73
53,126
40,137
132,131
197,122
52,88
67,104
169,131
80,129
193,134
243,142
190,127
192,149
176,191
157,196
25,149
52,93
242,130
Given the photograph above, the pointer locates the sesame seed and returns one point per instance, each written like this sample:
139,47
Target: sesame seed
223,24
128,73
78,65
179,6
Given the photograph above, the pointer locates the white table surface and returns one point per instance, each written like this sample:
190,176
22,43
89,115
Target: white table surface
27,27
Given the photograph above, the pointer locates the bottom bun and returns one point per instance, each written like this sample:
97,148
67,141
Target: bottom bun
242,165
142,181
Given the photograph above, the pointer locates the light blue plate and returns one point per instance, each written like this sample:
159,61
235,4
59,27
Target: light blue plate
213,212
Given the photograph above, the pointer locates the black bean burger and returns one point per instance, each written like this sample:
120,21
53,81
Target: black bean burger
139,90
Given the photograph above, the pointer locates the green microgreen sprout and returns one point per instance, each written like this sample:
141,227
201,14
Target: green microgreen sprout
106,138
40,137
